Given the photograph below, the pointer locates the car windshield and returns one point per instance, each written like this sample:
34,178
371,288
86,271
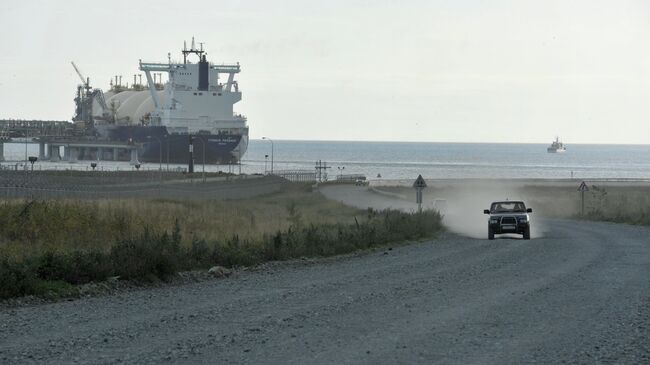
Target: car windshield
508,207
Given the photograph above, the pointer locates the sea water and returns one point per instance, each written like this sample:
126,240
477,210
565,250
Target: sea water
399,160
406,160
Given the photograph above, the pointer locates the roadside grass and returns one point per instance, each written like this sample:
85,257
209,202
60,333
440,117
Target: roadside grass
617,204
32,227
47,248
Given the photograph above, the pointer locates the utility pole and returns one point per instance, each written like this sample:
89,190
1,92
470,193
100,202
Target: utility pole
272,152
190,165
321,170
167,139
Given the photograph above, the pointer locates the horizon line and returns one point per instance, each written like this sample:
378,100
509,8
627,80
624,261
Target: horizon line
450,142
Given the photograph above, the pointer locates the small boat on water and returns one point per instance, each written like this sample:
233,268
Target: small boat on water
556,147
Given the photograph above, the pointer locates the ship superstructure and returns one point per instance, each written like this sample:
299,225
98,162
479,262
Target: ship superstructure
556,147
196,101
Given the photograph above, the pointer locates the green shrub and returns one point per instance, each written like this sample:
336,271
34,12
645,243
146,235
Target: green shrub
76,267
17,279
146,257
327,240
237,252
200,255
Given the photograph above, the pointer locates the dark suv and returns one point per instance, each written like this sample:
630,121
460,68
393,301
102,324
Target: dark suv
508,217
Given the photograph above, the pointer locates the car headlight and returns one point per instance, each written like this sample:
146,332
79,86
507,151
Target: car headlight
523,220
494,220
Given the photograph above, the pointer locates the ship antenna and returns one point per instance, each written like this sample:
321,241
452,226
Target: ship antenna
193,45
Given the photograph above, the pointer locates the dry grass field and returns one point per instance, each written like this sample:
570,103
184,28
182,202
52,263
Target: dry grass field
30,227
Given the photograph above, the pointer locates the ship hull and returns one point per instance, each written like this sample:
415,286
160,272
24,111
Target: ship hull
555,150
160,146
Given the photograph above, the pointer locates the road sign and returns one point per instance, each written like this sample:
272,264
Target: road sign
583,187
419,182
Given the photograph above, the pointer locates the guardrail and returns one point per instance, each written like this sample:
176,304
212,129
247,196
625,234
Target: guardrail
297,175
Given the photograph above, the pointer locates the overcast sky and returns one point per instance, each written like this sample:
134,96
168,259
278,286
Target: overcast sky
466,71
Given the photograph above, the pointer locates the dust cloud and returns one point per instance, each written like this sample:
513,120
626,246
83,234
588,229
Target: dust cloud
461,204
464,204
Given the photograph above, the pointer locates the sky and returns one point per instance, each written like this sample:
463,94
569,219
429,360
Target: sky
438,71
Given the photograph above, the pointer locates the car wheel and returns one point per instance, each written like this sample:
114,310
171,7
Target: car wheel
490,233
527,233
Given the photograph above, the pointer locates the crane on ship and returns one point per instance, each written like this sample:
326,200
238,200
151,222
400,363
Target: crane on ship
85,81
84,100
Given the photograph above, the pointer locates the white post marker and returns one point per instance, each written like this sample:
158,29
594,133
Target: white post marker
582,188
419,184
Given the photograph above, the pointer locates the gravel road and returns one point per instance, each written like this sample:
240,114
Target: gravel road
580,294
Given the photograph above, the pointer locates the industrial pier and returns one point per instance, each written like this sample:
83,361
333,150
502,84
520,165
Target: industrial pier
52,135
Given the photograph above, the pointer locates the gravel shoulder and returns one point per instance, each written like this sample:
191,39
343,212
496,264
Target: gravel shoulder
580,294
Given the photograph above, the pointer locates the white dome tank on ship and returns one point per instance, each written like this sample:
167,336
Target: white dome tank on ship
117,100
125,113
147,106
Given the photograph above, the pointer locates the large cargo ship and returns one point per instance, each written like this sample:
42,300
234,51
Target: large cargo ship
191,110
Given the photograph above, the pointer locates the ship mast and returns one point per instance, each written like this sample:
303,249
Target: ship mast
186,52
